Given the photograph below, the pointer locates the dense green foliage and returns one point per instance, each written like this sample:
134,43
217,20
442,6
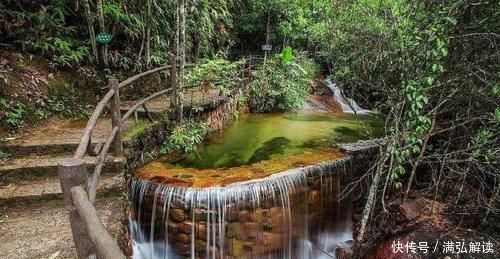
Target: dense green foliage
213,73
432,66
142,30
299,23
185,137
282,83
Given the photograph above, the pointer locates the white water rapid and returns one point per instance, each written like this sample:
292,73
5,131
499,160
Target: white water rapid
348,105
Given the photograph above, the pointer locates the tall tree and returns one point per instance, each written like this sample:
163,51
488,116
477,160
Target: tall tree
148,33
90,25
102,28
175,59
182,63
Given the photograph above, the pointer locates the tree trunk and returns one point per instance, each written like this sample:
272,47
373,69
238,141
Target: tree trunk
148,34
268,28
372,194
182,47
102,28
173,72
420,155
492,199
90,25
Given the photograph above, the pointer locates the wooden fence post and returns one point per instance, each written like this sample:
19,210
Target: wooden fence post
73,172
116,117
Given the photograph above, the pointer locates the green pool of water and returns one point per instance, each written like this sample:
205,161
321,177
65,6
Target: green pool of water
257,137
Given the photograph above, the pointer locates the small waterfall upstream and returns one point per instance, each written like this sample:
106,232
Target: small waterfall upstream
293,214
348,105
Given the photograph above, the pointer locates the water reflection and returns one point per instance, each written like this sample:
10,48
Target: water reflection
257,137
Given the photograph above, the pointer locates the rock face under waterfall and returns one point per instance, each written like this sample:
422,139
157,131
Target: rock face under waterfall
294,214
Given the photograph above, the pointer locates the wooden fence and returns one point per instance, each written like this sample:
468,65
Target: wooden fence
89,234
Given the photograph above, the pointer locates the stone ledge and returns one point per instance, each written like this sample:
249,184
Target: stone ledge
361,146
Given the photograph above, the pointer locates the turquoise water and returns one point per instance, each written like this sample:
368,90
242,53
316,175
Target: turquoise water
257,137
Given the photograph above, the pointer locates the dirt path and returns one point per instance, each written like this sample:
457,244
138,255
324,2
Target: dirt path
43,230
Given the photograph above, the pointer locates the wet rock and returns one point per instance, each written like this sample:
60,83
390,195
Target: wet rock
257,215
236,247
314,197
244,216
232,214
213,252
200,245
272,240
266,203
201,231
186,227
252,229
173,227
235,230
182,248
183,238
275,220
178,215
361,146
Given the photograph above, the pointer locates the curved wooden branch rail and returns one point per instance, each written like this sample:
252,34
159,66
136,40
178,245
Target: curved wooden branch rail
104,243
84,140
142,102
146,73
92,188
89,234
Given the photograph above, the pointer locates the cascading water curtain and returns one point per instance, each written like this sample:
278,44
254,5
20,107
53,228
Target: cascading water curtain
294,214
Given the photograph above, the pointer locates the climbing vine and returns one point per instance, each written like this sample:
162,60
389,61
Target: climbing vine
417,122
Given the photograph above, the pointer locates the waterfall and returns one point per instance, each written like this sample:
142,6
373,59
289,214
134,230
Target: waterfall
293,214
348,105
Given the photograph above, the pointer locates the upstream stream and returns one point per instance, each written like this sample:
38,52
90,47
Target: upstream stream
268,186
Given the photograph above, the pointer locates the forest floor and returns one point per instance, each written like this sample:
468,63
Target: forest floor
426,223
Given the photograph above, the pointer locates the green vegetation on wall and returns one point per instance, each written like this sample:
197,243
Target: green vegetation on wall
185,137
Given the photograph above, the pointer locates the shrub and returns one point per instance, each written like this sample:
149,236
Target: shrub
12,113
185,137
281,84
213,73
4,155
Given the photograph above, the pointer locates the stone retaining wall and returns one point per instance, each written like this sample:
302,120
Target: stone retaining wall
267,223
216,113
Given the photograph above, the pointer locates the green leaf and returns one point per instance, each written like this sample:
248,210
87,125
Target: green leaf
287,54
429,80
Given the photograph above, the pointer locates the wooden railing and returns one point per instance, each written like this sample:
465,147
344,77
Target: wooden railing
89,234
